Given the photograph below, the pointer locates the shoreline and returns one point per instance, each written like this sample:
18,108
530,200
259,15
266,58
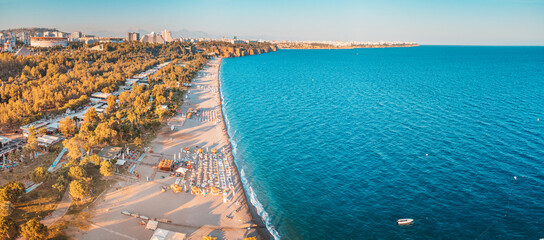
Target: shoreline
199,215
264,234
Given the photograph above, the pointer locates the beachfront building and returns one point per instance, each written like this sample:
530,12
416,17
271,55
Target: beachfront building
48,140
8,145
99,97
152,38
109,153
37,126
48,41
4,141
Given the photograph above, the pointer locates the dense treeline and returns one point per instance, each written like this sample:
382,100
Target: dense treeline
55,80
128,116
226,49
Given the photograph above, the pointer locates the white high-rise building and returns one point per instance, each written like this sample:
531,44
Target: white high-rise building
152,38
167,35
76,35
133,36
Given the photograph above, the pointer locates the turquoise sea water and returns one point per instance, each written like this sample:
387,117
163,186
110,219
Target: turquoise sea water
341,143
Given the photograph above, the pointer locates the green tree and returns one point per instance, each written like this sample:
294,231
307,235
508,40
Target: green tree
6,209
138,142
12,191
8,228
79,190
34,230
111,100
90,116
104,132
93,158
40,174
106,168
67,126
77,173
32,143
32,131
42,131
73,145
60,185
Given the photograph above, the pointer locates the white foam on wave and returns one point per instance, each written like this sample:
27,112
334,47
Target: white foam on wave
251,195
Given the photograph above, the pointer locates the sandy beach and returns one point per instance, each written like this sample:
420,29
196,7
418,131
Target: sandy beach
194,215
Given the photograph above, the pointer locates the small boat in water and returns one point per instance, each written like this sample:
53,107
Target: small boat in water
405,221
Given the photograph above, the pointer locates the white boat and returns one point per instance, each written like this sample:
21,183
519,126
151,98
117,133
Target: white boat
405,221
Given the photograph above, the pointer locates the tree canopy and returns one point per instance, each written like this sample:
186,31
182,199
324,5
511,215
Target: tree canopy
79,190
106,168
40,174
8,228
34,230
11,191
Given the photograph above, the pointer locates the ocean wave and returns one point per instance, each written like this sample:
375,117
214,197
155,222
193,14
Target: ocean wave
256,204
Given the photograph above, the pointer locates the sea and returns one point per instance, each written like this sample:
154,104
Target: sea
340,144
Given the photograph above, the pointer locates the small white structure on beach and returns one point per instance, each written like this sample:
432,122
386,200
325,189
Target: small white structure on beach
152,225
163,234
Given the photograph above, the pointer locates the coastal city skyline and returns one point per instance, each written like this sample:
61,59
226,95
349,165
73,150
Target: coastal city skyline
453,23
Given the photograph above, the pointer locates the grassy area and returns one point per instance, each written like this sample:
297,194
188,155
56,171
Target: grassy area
24,171
42,201
39,203
100,185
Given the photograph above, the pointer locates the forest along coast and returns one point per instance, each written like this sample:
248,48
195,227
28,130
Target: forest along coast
206,200
76,123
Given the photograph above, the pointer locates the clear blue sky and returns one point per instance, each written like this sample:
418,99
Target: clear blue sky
483,22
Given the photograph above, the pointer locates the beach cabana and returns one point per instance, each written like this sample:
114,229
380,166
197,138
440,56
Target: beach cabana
195,190
215,191
109,153
182,170
214,151
166,165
